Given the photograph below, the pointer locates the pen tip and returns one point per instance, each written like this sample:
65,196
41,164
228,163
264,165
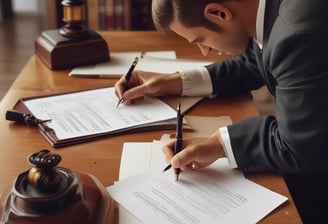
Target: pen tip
166,168
179,106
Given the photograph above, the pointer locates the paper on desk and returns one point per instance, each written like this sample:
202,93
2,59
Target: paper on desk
160,54
140,156
92,112
169,65
206,196
118,65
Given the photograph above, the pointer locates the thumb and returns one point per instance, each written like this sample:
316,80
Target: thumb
182,160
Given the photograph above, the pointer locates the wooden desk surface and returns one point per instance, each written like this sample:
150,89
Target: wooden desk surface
102,157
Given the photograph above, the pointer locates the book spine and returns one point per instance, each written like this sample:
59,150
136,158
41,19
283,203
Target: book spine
127,14
119,14
109,15
93,17
141,15
101,14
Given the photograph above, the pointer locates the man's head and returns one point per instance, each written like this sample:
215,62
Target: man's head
188,12
221,25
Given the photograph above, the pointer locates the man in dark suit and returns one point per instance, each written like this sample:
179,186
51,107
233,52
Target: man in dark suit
280,44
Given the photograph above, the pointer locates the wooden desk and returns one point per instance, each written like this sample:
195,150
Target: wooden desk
102,158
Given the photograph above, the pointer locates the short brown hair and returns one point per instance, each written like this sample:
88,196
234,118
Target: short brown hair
189,12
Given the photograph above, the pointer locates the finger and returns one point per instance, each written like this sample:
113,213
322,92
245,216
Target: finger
119,86
137,92
186,158
194,166
168,151
133,100
191,166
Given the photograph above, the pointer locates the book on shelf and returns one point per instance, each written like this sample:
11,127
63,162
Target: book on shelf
109,15
93,14
119,14
101,14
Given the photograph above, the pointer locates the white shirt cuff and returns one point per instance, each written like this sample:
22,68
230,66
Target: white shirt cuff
227,147
196,82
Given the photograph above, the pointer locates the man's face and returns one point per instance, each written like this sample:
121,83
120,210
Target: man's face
232,41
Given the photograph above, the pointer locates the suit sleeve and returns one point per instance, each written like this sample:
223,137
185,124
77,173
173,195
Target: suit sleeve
236,76
296,140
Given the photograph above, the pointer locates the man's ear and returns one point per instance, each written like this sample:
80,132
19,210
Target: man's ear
215,11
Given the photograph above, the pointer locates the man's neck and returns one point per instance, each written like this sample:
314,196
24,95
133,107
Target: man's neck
247,13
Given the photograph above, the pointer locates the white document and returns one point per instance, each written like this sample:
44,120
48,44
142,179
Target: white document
119,64
160,65
216,194
94,111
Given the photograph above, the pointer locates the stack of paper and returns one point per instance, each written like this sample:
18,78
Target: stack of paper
159,61
216,194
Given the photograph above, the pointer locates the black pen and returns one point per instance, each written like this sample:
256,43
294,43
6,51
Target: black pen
127,78
178,142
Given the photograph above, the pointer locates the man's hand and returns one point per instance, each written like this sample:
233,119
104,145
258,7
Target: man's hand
144,83
197,152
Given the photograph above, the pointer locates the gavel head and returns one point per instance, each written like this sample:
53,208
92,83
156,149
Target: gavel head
74,17
44,175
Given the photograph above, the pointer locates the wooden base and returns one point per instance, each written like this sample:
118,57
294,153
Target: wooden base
59,52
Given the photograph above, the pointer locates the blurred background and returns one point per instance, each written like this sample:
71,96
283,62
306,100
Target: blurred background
22,21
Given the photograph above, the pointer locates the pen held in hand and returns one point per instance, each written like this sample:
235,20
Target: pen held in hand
127,78
167,168
178,143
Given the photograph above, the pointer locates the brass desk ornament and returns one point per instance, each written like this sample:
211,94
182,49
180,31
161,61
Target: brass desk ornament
73,44
50,194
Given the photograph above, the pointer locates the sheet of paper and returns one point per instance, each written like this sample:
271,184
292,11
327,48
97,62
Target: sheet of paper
169,65
161,54
141,156
118,65
204,196
94,111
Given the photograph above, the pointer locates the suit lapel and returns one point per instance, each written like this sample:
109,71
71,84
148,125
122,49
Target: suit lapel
271,13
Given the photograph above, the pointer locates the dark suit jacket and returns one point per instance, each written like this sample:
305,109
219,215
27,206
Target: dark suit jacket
294,67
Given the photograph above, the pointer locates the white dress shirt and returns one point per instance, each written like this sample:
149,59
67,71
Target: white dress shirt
197,82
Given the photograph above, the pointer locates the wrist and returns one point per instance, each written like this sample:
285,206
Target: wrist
218,137
173,84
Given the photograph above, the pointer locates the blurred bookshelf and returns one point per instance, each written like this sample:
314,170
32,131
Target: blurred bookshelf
107,14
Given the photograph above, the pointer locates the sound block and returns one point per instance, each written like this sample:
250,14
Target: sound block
59,52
